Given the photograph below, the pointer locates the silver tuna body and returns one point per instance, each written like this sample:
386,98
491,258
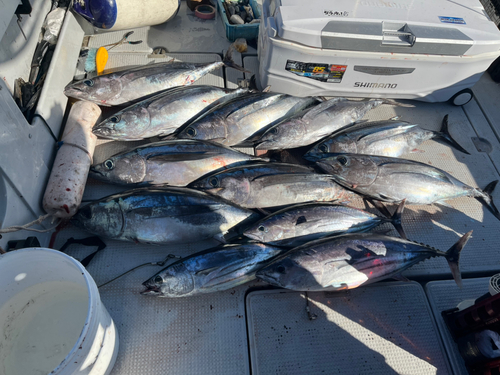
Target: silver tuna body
163,113
211,271
392,179
311,125
381,138
244,118
294,226
352,260
272,185
174,163
160,216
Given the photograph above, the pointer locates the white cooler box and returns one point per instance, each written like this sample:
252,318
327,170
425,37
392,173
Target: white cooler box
430,50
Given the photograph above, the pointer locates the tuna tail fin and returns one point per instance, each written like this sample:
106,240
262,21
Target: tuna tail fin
444,134
395,219
487,200
453,257
229,62
393,102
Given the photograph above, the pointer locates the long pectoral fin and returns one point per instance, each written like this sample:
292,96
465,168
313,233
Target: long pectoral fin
185,156
414,170
384,134
400,277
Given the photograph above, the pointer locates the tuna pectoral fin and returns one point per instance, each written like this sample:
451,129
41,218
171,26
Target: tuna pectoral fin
393,102
400,277
229,62
487,200
185,156
453,257
444,203
444,135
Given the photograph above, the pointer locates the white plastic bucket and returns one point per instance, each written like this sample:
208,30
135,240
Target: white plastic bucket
52,320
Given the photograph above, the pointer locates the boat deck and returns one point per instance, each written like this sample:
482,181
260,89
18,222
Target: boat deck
387,328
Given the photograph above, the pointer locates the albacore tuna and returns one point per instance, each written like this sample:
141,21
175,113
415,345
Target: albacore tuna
161,216
163,113
212,270
382,138
174,163
129,85
271,185
311,125
392,180
352,260
243,118
296,225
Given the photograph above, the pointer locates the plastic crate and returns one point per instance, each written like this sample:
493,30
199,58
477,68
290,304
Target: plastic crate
247,31
484,314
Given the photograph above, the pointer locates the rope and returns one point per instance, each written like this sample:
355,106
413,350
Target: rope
161,263
15,228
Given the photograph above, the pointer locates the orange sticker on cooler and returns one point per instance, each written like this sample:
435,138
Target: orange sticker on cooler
330,73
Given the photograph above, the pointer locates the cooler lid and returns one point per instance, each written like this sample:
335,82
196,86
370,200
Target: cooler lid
404,26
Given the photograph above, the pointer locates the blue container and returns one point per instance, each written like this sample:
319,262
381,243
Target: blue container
126,14
247,31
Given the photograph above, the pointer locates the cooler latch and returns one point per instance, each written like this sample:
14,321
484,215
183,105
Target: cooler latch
397,34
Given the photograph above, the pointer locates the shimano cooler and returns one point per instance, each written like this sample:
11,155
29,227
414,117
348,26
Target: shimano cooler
430,50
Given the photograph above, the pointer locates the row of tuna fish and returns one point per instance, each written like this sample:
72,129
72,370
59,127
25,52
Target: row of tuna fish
213,190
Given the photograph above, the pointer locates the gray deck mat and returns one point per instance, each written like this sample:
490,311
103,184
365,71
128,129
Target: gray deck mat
379,329
444,295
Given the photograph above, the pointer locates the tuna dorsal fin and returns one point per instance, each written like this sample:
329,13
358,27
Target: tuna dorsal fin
444,135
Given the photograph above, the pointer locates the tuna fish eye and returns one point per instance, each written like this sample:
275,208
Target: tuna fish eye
214,181
274,130
89,82
342,160
115,119
158,279
191,132
109,164
281,269
261,228
323,148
